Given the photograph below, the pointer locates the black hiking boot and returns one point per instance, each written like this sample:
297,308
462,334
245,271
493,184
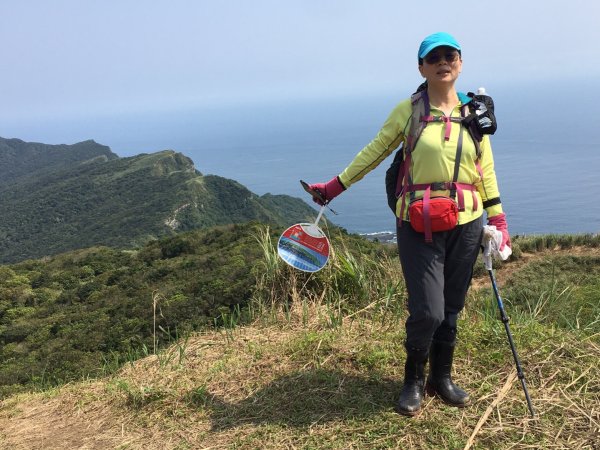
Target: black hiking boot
439,381
412,393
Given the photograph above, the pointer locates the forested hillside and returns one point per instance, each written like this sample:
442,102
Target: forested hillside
56,198
68,317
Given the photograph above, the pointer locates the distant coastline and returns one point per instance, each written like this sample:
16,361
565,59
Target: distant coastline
385,237
390,237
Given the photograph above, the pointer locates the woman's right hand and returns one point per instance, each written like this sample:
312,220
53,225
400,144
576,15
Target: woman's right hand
328,191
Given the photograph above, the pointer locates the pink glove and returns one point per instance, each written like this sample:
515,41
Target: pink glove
499,222
329,190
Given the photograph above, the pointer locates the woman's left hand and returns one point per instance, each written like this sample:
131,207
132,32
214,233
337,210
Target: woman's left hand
499,221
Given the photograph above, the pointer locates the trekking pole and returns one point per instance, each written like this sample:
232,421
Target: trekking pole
487,259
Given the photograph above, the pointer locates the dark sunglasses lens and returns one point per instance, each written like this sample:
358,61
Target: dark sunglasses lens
436,57
433,59
451,57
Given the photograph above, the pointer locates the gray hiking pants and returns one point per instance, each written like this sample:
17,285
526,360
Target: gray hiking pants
437,276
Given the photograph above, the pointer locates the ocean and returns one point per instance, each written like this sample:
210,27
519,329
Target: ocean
546,151
546,154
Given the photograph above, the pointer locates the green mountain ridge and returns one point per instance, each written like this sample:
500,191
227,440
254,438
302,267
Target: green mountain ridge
57,198
19,158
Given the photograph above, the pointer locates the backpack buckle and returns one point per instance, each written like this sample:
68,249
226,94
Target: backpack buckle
441,186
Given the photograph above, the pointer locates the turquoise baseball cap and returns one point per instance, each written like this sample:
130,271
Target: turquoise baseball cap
437,40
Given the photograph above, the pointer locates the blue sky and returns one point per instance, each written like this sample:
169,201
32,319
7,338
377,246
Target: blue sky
244,87
76,58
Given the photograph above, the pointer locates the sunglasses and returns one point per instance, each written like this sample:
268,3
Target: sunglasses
434,58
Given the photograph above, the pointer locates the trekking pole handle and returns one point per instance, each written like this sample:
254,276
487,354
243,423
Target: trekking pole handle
489,235
491,240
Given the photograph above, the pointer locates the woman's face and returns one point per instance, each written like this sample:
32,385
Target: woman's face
441,65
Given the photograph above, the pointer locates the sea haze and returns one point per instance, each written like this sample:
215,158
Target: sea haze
546,151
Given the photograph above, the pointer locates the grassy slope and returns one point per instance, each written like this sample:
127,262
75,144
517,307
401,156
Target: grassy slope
311,372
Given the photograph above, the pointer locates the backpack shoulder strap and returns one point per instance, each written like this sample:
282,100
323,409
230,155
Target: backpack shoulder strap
467,112
420,109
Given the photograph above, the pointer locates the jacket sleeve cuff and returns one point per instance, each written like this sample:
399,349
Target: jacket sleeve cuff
345,183
494,210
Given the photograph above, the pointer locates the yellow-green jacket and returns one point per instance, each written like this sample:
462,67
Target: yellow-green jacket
432,159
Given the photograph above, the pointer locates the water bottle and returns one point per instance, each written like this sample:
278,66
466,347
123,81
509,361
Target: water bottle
484,109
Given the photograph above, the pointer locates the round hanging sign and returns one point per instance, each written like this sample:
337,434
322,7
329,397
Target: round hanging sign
304,246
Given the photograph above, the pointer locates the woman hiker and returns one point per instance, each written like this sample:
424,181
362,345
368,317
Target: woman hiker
445,170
